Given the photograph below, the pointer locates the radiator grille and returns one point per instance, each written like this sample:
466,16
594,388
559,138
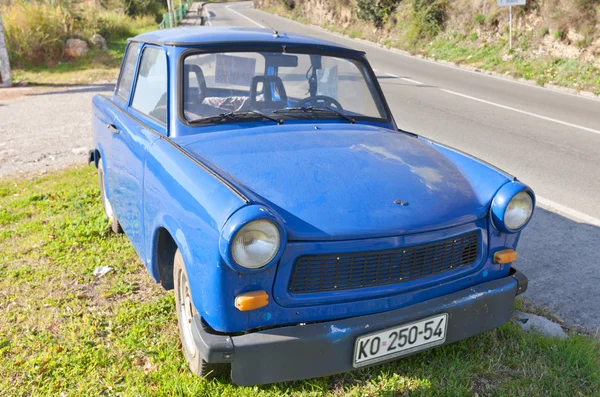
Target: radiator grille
331,272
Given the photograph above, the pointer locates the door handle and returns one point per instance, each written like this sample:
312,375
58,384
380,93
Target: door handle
113,128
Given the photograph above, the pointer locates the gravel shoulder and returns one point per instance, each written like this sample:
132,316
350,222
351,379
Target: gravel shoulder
44,129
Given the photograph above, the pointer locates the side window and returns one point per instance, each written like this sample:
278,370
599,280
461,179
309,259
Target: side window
126,78
150,96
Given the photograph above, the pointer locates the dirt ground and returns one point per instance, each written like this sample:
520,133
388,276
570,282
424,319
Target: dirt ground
45,128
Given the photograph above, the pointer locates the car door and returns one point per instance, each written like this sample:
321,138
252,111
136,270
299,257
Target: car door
107,120
143,122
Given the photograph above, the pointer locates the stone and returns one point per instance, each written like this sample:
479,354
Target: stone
101,271
75,48
99,42
541,325
79,150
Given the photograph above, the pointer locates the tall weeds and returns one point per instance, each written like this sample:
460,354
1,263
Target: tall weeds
36,31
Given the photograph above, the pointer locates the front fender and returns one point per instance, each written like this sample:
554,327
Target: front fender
192,205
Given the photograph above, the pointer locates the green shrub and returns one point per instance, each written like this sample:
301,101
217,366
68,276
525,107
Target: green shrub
289,4
479,19
376,11
427,19
140,8
559,34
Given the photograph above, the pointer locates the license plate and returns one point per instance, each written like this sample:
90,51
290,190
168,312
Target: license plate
401,340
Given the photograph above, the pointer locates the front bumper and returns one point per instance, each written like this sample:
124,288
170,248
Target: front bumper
326,348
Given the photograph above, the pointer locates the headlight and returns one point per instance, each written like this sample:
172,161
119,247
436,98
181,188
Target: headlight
256,244
512,207
518,211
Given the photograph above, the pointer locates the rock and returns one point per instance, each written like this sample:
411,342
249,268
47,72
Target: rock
99,42
101,271
75,48
532,323
79,150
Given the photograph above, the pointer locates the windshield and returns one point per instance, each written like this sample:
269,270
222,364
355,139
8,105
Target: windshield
220,87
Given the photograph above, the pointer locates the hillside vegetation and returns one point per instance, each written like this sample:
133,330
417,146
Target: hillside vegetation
36,32
555,41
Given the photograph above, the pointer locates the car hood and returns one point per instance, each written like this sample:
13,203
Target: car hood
343,181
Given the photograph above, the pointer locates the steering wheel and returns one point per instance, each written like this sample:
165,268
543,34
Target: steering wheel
320,101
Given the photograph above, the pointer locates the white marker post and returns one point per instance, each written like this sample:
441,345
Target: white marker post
5,79
510,3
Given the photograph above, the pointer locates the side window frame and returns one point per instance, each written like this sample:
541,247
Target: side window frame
144,119
124,102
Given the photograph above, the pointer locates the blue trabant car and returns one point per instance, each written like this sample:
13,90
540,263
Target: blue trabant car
262,176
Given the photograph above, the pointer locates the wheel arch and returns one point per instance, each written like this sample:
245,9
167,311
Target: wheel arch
164,257
166,240
98,154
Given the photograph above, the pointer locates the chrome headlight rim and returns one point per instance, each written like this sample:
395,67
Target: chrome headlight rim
242,219
502,201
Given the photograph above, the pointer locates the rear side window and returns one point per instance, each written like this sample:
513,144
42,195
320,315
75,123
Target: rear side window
126,77
150,96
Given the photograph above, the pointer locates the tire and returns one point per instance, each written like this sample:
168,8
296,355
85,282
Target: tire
115,226
185,313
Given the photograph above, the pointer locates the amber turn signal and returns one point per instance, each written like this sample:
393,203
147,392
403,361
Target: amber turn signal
251,300
505,256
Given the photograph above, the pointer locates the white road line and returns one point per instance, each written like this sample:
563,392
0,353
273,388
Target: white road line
405,79
411,81
523,112
243,16
571,213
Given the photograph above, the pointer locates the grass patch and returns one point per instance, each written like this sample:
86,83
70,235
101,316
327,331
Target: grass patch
66,331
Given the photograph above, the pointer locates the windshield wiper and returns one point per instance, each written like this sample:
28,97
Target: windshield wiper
235,115
310,109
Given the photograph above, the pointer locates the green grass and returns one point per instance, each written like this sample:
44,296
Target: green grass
62,330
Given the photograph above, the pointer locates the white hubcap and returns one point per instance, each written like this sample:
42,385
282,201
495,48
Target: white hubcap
186,314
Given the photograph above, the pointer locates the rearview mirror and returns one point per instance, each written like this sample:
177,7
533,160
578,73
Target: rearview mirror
282,61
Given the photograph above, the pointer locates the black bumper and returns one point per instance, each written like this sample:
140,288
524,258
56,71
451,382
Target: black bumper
320,349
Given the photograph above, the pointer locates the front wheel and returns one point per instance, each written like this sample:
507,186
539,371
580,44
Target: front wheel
185,313
115,226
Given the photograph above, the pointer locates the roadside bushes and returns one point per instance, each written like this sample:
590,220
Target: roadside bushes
36,31
427,19
289,4
376,11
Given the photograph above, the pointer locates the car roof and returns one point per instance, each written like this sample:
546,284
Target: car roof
193,36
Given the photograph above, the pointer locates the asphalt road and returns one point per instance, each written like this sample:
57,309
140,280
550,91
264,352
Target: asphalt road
548,139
